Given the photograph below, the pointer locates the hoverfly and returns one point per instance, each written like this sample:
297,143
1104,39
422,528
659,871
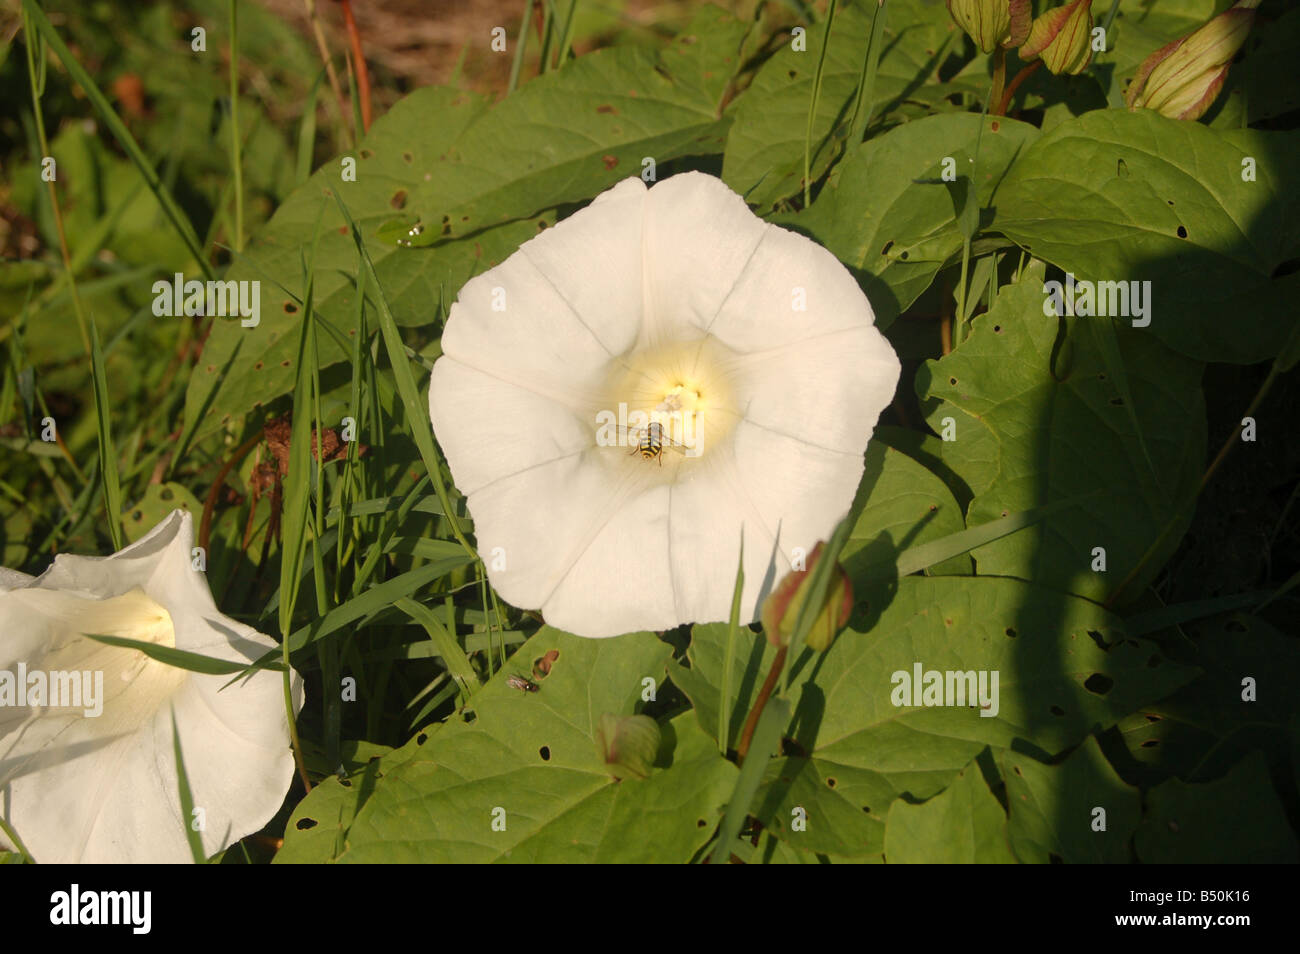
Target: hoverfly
652,441
522,683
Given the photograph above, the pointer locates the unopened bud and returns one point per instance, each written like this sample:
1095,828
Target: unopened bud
992,22
1062,37
628,744
781,608
1182,79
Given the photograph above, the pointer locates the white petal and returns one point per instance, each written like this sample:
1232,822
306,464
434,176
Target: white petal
104,789
552,315
791,291
541,521
622,582
699,237
491,429
827,391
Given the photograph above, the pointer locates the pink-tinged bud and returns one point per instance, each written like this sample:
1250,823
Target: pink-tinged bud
1062,37
781,608
991,23
629,744
1182,79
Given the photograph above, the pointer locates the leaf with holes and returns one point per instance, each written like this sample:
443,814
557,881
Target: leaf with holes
480,180
963,824
1078,811
1062,429
1208,217
1205,727
888,212
850,751
521,777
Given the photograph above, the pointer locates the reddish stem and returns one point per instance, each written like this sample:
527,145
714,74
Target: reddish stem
1014,85
747,734
363,77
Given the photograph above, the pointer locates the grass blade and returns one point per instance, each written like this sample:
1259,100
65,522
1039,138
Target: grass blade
107,452
724,704
187,798
180,658
766,738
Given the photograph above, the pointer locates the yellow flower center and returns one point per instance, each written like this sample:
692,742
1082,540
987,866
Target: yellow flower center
670,404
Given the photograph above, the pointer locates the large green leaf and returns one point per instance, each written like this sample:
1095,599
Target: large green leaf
907,505
1063,429
895,230
1077,811
1132,196
850,751
765,147
481,181
531,761
1209,724
963,824
1237,819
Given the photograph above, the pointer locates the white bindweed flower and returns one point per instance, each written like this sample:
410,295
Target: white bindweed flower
87,764
631,388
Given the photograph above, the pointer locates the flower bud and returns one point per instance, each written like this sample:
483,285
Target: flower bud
1062,37
1182,79
628,744
992,22
781,608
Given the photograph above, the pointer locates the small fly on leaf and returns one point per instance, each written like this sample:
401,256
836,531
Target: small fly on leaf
522,683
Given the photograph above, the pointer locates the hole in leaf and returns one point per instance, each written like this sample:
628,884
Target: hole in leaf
830,782
290,308
1153,718
1098,683
545,753
166,495
257,366
888,246
365,154
1150,743
1012,633
406,157
952,380
997,329
1182,232
903,256
345,782
700,823
867,809
792,73
421,738
468,717
305,823
1057,711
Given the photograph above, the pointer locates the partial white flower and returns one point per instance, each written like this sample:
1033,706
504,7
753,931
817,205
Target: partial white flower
81,785
668,315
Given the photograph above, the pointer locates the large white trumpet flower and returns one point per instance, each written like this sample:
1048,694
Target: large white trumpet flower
87,765
631,388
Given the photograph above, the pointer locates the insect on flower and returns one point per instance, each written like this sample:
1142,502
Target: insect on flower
651,441
522,683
